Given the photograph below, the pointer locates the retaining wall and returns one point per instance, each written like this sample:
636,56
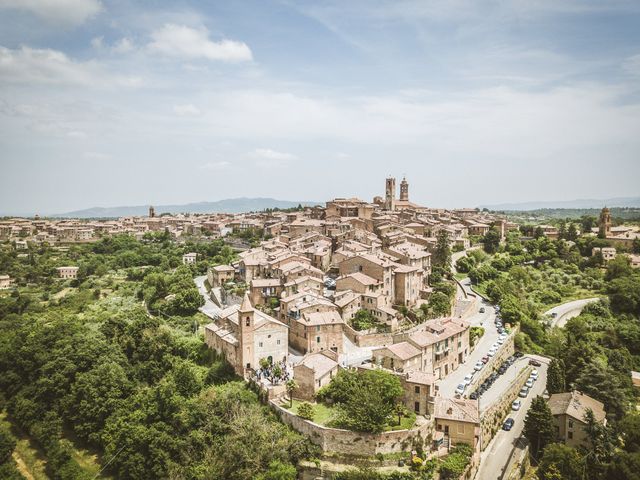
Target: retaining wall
491,419
346,442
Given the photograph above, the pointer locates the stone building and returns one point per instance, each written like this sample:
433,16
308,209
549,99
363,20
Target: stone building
220,274
314,371
68,272
569,410
244,336
458,421
189,258
604,223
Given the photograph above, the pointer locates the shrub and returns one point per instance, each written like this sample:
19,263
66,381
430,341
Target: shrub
306,411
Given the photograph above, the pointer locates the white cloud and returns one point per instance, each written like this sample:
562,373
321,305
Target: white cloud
96,156
632,65
68,12
97,42
215,165
46,66
186,42
123,45
186,110
271,158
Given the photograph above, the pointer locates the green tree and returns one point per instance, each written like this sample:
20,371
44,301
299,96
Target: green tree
291,387
559,458
442,252
279,471
7,443
556,377
491,241
538,425
366,399
572,232
440,304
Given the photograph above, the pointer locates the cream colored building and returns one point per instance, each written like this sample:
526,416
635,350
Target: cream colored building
68,272
458,420
5,282
569,410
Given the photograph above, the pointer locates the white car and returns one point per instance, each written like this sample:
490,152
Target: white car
516,405
495,345
460,389
491,352
534,375
529,383
500,341
467,379
478,366
503,335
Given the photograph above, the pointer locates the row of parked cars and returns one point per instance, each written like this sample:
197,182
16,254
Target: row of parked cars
494,376
516,404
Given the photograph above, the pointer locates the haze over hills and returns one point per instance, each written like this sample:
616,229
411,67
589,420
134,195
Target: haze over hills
230,205
633,202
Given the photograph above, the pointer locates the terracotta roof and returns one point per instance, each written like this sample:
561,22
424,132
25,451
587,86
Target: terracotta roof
575,404
403,350
319,363
458,409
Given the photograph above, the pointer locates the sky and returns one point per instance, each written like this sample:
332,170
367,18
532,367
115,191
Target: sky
115,102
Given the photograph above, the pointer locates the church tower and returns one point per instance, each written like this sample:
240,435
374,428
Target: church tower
390,194
404,190
152,212
246,329
604,223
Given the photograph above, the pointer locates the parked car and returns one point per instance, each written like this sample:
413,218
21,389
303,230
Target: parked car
481,309
508,424
518,354
474,396
529,383
502,369
460,389
478,366
467,379
524,391
535,363
485,359
534,374
516,404
501,330
554,314
500,341
492,352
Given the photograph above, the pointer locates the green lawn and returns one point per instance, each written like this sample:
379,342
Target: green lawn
460,276
324,414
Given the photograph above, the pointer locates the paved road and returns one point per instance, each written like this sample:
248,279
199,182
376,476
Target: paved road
496,456
209,308
568,310
447,385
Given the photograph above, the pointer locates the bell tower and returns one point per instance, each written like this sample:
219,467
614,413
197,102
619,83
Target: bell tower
404,190
390,194
246,329
604,223
152,212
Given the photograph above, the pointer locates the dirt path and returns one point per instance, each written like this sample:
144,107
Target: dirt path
22,467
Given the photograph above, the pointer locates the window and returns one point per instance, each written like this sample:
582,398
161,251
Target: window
317,339
416,389
570,435
247,322
416,407
260,344
570,423
278,342
317,328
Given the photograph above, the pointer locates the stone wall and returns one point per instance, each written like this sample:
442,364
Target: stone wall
346,442
367,339
491,419
506,350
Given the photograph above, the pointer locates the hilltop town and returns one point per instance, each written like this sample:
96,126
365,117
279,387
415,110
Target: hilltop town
379,331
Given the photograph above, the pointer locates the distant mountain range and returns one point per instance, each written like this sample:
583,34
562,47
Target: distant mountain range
230,205
633,202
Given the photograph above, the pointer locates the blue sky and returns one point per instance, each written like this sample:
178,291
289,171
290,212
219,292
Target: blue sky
107,103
